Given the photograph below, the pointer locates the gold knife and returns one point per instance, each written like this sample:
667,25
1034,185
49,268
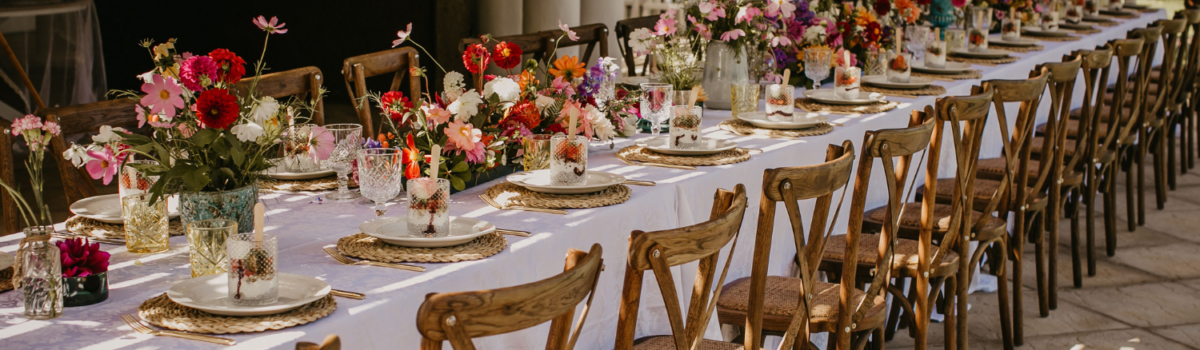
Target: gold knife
347,295
640,182
512,232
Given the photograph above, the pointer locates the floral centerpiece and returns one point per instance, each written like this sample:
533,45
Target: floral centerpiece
480,128
210,141
84,272
37,135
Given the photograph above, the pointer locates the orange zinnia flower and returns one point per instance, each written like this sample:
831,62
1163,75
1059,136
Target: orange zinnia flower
567,67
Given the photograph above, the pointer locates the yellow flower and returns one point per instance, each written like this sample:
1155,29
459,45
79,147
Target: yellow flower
864,17
567,67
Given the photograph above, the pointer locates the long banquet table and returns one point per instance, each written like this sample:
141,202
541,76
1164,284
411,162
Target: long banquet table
386,318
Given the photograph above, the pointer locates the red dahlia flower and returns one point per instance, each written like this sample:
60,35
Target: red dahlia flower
395,104
217,109
230,67
524,114
476,58
508,55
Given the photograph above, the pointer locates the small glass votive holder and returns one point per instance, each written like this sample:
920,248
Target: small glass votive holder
744,97
145,223
296,157
1074,14
568,160
1049,21
846,81
977,40
1010,29
956,39
253,269
535,152
206,245
685,127
899,70
428,207
876,62
780,105
1091,8
133,181
935,54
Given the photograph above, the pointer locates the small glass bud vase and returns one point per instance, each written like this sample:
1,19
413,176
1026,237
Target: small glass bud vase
846,81
780,105
253,269
429,207
685,127
1010,29
40,275
899,70
568,161
145,223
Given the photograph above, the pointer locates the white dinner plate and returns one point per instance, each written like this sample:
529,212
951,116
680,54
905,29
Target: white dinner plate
107,208
990,53
211,294
539,181
707,146
394,230
759,119
828,96
950,68
1034,31
882,81
998,40
275,173
6,260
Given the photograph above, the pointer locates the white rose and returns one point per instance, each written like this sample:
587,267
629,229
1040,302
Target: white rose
465,106
505,88
265,109
814,34
543,102
247,132
453,86
107,134
601,126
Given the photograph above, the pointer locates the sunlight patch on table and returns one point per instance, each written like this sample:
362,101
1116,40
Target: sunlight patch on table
25,327
138,280
269,340
685,176
121,342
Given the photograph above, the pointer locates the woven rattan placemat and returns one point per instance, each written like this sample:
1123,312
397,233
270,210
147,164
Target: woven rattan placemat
983,61
362,246
510,194
1102,23
1084,31
1051,38
642,154
93,228
1014,48
970,74
931,90
161,311
742,127
815,107
6,279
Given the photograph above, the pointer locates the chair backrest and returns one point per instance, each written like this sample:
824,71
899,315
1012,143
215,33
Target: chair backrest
1096,65
1192,53
541,44
80,119
357,69
459,317
332,342
1027,93
1142,110
300,83
1175,46
1126,52
1062,88
660,250
624,29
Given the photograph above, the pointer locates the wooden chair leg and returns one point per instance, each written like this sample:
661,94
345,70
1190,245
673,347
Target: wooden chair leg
1159,142
1110,220
1076,263
951,319
1130,186
1052,249
1006,322
1171,161
1140,163
1190,131
1089,199
1016,245
893,321
1040,267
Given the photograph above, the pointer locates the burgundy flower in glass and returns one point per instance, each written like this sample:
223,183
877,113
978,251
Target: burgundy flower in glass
81,259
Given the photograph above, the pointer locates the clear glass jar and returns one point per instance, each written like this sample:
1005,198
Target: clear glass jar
145,224
956,40
935,54
980,24
685,127
296,157
568,160
41,276
899,70
876,63
253,269
429,207
780,105
846,82
1010,29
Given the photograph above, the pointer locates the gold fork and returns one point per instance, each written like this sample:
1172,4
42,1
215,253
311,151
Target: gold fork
137,325
333,253
639,182
517,233
347,294
496,205
661,165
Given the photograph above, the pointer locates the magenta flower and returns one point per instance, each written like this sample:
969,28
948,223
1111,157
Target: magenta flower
320,142
958,3
29,122
271,27
193,71
162,96
403,34
570,33
733,35
103,165
81,259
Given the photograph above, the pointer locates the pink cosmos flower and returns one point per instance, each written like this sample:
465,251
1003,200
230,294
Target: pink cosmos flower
320,142
162,96
478,154
403,34
271,27
435,115
780,7
703,31
103,165
665,26
570,33
194,69
712,10
747,14
463,136
733,35
780,40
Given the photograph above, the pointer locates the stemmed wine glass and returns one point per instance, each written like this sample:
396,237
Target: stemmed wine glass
347,140
656,104
380,175
816,64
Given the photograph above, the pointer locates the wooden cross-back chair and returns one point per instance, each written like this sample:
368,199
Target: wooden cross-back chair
397,61
658,251
1156,116
1188,95
459,317
1180,86
301,83
1133,130
772,305
624,29
541,45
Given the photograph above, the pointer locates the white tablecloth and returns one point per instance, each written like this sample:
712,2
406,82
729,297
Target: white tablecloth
386,319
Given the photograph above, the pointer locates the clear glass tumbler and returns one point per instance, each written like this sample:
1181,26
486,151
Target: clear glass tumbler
145,223
876,63
206,245
656,104
536,151
380,176
846,81
568,160
935,54
956,40
253,269
1010,29
745,97
1048,21
899,70
347,140
41,280
296,156
428,207
685,127
977,33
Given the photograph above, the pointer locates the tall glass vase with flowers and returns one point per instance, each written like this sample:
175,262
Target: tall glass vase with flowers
37,135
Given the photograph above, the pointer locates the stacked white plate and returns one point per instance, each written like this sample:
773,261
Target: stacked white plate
394,230
211,294
276,172
539,181
882,81
828,96
706,146
759,119
990,53
999,40
107,208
